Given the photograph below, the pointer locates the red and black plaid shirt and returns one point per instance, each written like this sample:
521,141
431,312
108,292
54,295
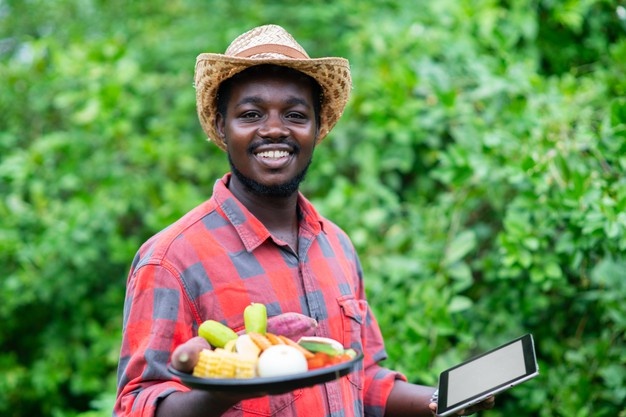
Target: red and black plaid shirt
215,261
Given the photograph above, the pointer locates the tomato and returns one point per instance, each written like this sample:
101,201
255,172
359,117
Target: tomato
340,358
319,360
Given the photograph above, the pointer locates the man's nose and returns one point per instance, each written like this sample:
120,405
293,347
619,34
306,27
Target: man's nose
274,127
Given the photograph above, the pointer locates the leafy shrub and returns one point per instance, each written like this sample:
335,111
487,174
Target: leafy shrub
482,153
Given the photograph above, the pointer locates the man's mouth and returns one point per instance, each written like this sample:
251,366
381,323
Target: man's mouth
273,154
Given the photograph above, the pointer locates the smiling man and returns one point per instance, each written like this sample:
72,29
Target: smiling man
258,239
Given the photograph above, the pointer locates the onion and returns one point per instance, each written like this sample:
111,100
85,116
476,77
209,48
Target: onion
279,360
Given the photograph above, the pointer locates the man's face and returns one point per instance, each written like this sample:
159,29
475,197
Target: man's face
270,132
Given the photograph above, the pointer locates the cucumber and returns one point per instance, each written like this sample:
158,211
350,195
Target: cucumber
216,333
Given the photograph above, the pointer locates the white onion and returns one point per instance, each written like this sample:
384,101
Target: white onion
279,360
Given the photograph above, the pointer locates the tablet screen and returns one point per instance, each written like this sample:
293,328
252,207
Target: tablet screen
487,374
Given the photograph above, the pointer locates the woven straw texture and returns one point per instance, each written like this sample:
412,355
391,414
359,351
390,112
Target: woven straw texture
270,44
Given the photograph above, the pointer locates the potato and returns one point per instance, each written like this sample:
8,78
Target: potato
185,356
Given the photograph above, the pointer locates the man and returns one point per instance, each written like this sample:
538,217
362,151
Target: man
267,104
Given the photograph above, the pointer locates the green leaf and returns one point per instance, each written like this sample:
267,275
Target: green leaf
459,247
460,303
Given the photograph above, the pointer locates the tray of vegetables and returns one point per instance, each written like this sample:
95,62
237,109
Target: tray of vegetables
265,362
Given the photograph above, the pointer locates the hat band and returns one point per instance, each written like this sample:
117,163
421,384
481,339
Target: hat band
272,48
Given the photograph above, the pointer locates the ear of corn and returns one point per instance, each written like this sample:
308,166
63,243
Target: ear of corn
220,363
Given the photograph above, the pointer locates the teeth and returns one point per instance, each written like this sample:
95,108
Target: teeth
273,154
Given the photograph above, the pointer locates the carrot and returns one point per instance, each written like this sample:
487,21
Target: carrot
274,339
307,353
260,340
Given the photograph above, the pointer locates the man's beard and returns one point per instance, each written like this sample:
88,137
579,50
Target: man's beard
285,189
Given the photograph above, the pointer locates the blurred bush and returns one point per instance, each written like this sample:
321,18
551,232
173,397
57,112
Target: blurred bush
479,169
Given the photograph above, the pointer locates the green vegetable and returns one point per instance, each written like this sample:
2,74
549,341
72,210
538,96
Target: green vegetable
216,333
255,318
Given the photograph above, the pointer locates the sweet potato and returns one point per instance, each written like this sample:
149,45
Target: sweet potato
292,325
185,356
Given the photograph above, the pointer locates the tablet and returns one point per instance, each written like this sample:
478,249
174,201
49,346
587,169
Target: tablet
488,374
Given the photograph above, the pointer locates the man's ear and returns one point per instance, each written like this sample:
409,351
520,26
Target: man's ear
219,126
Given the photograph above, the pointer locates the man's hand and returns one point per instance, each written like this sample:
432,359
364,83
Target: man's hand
483,405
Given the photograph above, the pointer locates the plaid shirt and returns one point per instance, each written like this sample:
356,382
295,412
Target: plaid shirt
215,261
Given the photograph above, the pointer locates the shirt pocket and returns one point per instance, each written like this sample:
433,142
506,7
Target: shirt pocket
270,405
353,314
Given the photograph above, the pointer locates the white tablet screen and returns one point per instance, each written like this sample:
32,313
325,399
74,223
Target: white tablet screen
486,372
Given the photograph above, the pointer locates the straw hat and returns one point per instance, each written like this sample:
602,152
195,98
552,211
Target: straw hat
270,44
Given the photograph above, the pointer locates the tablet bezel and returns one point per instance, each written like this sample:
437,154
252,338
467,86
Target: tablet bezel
532,370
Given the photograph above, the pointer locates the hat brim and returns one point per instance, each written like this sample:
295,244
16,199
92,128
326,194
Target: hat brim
332,74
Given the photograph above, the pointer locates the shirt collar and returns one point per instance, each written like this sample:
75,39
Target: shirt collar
251,231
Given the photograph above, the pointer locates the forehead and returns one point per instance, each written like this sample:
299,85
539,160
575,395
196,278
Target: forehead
270,82
265,72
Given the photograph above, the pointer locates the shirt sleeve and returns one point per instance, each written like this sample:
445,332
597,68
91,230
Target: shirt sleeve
156,320
379,381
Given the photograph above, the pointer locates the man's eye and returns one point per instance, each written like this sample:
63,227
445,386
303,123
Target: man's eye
250,115
298,116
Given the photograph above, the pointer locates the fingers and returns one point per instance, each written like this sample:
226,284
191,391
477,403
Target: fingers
483,405
185,356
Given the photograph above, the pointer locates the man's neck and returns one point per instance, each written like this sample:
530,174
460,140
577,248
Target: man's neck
278,214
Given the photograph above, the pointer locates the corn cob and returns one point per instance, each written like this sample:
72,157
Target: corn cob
219,363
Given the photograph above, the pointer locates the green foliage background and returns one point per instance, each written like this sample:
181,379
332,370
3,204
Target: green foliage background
479,169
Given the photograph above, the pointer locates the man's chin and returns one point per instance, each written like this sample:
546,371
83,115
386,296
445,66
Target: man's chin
282,190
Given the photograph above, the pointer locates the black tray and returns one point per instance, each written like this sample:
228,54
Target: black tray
270,385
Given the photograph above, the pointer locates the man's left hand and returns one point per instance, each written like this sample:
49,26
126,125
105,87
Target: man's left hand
483,405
